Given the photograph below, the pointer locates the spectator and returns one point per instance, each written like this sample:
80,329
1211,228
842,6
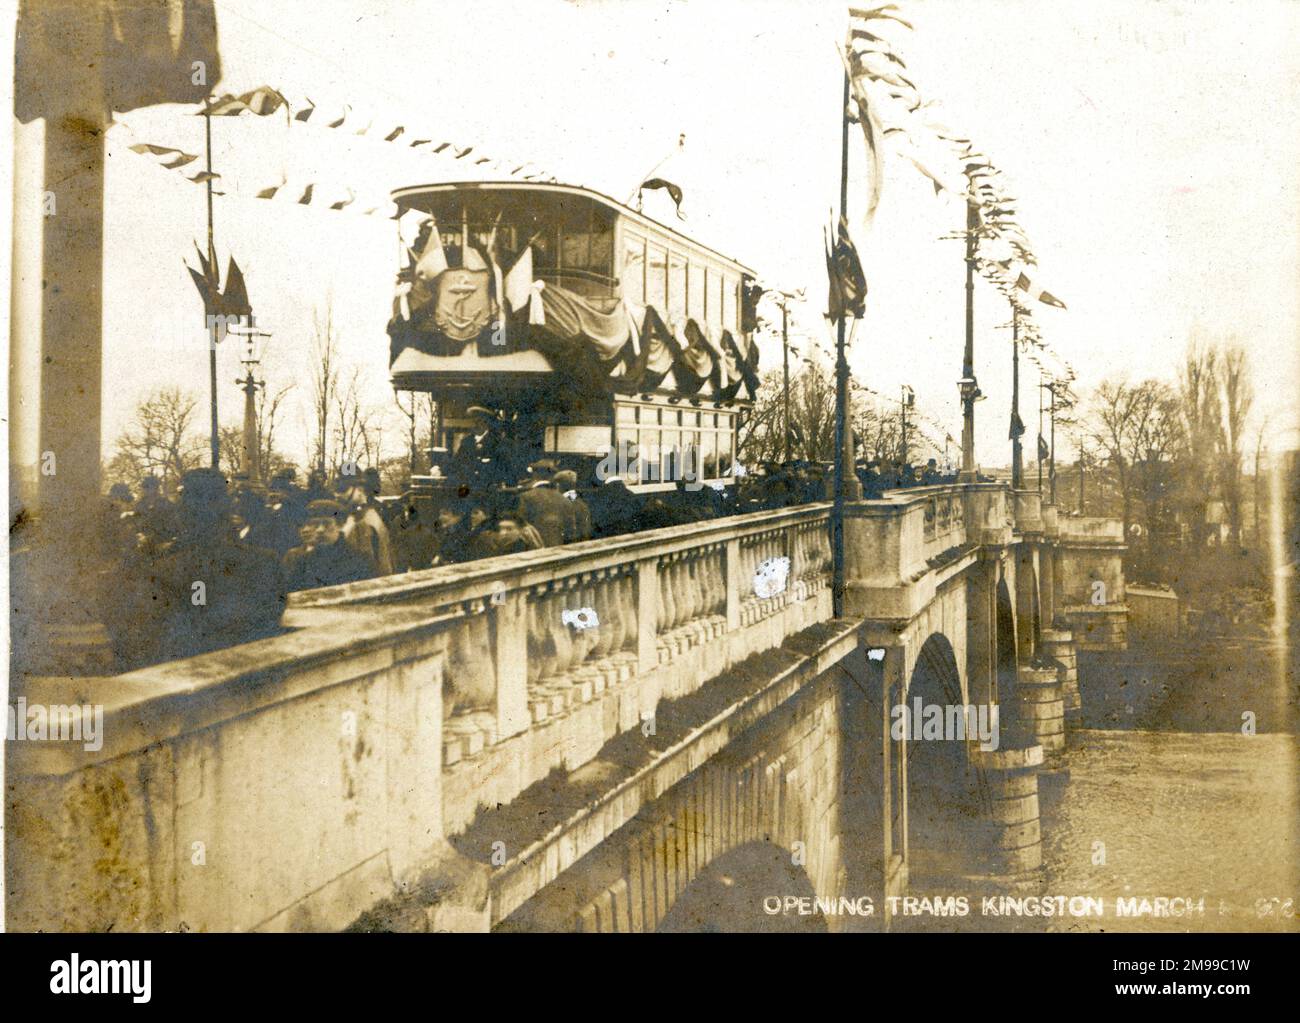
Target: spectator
155,516
544,508
210,590
365,529
326,558
566,482
614,510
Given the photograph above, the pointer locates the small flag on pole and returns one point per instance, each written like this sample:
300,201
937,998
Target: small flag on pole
848,284
674,191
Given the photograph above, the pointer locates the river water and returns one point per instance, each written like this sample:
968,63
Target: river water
1165,796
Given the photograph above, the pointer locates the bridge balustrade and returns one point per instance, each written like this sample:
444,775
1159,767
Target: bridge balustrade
280,784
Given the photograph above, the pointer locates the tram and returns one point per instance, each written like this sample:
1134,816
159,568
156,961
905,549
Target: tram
587,332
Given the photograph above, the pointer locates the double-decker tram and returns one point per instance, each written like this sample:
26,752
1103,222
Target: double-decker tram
549,321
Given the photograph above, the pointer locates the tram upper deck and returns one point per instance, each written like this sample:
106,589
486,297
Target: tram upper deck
504,283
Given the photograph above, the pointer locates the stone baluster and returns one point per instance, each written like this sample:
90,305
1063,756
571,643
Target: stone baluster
627,620
650,613
510,650
605,601
537,662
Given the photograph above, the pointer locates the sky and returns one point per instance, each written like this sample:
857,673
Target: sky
1151,147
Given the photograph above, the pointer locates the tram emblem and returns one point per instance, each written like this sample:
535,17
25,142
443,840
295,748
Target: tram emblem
464,303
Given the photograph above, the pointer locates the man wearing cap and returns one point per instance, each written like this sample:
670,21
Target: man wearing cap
326,558
544,508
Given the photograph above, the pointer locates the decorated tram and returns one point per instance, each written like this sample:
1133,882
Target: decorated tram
576,327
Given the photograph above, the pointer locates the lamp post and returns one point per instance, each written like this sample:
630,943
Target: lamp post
785,370
1017,448
969,389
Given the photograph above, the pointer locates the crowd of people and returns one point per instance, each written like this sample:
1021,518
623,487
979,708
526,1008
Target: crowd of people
214,565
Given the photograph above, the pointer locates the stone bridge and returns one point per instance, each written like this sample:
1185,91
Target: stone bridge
653,732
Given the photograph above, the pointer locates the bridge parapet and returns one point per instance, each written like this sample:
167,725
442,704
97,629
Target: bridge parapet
1090,589
287,783
900,548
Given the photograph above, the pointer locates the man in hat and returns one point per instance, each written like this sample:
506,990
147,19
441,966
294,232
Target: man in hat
325,558
614,509
544,508
365,528
212,590
155,516
477,451
566,482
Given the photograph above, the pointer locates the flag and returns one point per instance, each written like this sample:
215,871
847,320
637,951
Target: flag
1033,290
260,101
433,260
233,301
168,157
1043,450
674,191
1017,427
848,284
519,290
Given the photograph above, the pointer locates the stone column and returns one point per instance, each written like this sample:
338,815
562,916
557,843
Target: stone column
55,377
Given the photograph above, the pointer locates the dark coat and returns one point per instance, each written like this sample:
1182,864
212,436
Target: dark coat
326,565
550,513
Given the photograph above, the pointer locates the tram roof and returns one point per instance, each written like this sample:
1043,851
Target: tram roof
403,196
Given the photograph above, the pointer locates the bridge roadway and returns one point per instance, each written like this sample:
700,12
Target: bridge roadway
445,750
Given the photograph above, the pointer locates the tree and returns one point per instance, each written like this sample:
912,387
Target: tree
325,384
1112,415
160,441
420,411
1236,398
1198,394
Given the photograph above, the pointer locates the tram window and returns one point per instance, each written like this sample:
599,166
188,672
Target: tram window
627,413
676,287
710,454
651,456
724,453
602,248
656,278
695,293
671,444
633,270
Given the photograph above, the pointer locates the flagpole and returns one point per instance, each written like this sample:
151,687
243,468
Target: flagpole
969,389
1017,450
1080,471
902,408
785,368
1051,472
841,385
1038,448
212,327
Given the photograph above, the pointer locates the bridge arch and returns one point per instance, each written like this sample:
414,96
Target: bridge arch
943,805
730,895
